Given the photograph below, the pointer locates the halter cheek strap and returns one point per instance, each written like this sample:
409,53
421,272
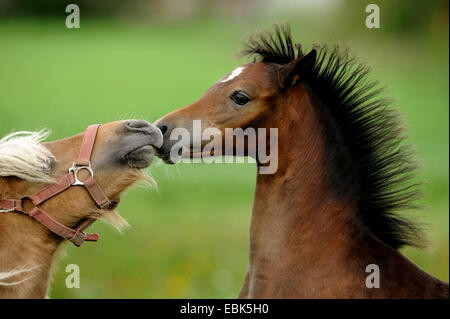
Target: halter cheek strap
76,235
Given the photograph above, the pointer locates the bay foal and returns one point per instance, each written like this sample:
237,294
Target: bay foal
331,208
31,172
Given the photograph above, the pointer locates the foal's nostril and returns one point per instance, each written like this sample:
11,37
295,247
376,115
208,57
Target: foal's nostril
163,129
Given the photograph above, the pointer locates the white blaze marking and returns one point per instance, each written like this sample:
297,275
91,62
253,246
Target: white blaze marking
233,74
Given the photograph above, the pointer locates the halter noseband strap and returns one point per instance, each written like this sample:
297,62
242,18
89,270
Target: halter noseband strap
77,235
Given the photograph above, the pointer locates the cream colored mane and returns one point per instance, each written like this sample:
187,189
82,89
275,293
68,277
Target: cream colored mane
23,155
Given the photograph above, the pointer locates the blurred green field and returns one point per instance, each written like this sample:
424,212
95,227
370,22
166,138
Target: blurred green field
188,238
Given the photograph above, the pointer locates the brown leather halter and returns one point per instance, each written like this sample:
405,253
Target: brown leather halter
77,235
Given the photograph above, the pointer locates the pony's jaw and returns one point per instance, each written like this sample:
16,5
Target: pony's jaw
141,157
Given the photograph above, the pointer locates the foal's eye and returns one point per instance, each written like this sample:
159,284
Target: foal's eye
239,97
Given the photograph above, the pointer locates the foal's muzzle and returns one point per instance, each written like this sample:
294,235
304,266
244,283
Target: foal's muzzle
164,150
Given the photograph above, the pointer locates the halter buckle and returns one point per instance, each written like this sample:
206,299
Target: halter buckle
78,239
75,169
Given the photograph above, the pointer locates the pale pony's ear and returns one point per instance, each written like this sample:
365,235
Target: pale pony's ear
291,73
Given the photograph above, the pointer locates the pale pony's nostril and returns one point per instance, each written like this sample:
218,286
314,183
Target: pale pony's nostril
139,125
143,127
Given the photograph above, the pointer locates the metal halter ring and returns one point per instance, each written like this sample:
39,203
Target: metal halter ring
75,169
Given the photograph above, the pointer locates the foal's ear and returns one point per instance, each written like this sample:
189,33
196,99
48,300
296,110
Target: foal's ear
292,73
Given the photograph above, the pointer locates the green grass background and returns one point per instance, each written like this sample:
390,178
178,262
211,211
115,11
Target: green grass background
188,237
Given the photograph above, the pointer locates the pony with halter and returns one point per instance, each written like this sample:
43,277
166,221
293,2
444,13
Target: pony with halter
54,191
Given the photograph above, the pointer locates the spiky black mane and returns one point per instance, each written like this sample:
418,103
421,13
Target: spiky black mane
367,158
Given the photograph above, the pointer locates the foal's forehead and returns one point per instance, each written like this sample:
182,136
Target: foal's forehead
250,71
233,74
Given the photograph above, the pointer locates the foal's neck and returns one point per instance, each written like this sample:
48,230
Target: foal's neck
298,226
305,241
